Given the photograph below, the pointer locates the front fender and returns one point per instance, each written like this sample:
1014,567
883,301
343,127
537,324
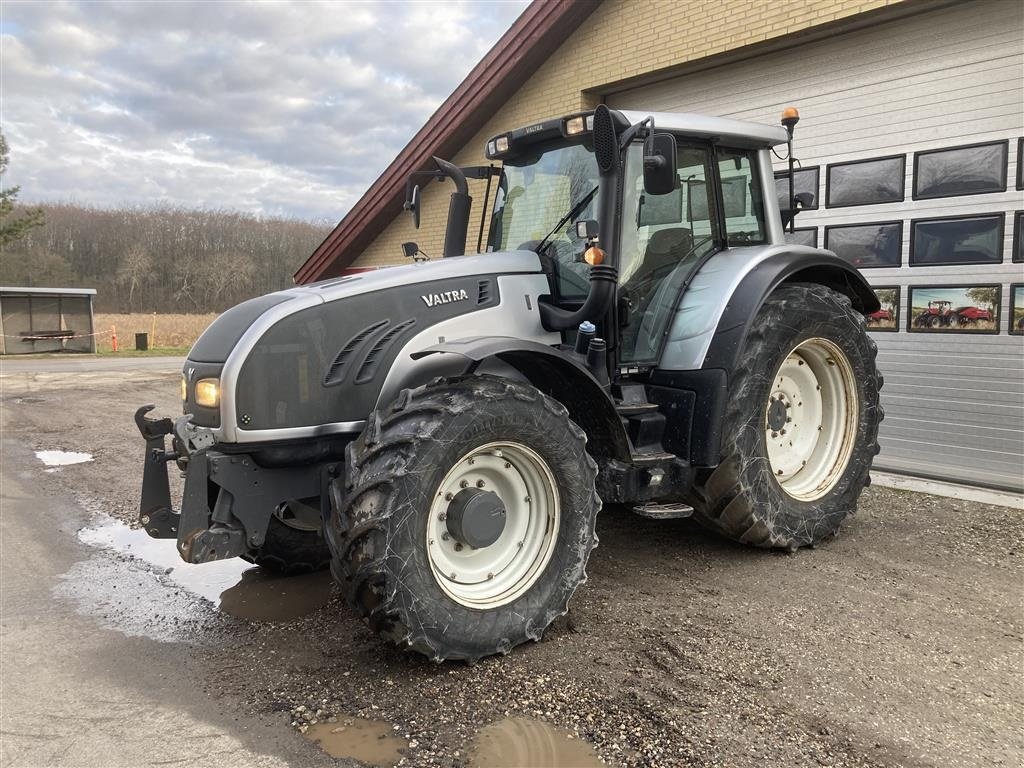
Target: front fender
557,374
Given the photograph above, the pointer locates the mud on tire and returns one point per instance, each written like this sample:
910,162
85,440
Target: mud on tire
741,498
379,510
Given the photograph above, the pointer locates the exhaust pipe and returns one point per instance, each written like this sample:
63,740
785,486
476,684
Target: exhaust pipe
458,210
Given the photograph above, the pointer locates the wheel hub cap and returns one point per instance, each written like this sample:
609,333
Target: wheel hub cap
492,525
811,419
476,518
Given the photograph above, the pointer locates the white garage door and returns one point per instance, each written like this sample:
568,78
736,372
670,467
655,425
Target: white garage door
940,232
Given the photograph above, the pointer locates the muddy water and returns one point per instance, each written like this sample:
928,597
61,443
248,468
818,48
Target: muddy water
262,596
518,741
370,741
234,586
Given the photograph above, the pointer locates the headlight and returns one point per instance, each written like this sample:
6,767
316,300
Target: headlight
184,388
208,393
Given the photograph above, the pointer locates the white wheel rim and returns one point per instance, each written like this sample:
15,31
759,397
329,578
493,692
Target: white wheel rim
815,392
498,574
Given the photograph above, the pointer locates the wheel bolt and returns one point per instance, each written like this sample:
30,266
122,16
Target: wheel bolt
448,496
789,405
443,516
431,542
527,499
788,419
445,536
519,544
472,461
780,471
782,431
507,465
463,483
479,483
490,576
775,434
458,547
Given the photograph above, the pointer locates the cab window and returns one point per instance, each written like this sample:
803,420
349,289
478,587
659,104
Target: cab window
742,198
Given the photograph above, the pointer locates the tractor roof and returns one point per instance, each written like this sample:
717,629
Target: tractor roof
728,131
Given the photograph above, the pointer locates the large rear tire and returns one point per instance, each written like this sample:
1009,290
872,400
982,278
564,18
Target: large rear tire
412,529
801,424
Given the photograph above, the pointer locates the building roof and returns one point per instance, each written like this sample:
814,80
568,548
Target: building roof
516,56
22,291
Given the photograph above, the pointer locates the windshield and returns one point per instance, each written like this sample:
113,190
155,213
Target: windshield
533,195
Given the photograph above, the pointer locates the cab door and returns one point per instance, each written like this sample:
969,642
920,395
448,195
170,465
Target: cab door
718,203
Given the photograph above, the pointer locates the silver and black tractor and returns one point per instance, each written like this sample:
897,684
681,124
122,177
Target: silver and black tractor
442,434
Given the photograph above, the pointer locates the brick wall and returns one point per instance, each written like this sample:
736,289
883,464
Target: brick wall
622,39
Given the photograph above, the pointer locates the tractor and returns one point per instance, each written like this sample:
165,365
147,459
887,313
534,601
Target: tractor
443,434
938,315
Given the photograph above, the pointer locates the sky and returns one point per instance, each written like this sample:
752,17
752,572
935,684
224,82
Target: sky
274,108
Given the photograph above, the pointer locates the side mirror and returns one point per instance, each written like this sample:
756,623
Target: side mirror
412,251
412,205
660,175
587,229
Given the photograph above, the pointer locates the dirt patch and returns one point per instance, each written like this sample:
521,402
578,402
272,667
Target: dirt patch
898,643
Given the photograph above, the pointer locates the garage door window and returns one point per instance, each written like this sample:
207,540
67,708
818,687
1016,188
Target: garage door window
1018,236
957,240
865,182
803,236
805,180
969,170
867,245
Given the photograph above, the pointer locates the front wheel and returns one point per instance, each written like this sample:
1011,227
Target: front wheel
466,517
801,424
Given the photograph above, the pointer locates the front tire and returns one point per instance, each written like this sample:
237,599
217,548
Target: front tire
801,424
431,584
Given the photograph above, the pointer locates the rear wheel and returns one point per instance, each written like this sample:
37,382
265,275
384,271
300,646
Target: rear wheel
797,447
466,518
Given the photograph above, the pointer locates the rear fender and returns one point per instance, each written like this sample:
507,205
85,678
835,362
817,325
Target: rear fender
820,267
557,375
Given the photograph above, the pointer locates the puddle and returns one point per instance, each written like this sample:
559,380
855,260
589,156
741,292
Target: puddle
370,741
208,580
262,596
518,741
148,590
54,460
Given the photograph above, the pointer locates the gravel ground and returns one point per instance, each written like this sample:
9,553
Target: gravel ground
898,643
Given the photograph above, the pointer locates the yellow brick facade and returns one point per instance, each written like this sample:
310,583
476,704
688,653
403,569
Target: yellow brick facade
622,39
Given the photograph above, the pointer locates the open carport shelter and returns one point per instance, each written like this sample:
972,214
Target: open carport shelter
910,145
46,320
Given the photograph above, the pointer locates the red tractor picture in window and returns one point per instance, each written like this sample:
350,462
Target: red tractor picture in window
940,314
879,317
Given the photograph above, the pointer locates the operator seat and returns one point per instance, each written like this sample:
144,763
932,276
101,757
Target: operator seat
665,249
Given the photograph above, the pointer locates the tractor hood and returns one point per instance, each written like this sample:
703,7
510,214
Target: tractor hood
318,355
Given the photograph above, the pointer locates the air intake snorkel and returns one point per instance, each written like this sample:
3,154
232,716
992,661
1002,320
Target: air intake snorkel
458,209
603,277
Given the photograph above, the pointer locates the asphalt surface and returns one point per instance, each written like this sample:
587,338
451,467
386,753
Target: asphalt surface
899,643
87,363
76,694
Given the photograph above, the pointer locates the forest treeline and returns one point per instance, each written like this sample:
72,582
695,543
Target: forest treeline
160,259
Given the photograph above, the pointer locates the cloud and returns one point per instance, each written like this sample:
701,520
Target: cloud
273,108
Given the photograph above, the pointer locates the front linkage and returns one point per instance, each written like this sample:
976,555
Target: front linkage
244,494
